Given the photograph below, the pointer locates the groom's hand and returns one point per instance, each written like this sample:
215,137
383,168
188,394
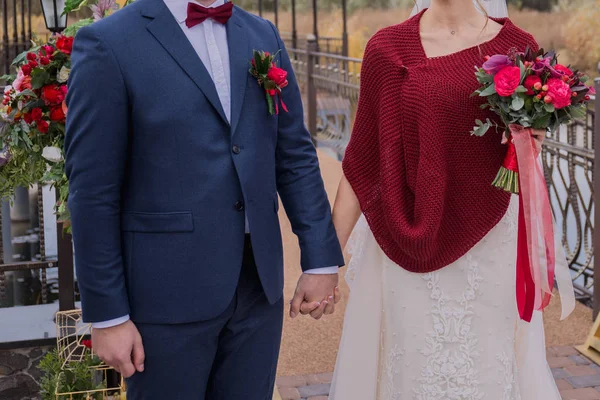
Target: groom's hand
315,295
120,347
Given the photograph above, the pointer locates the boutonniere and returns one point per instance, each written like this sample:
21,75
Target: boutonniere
270,77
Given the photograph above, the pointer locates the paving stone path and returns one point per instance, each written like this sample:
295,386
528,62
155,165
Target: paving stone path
576,376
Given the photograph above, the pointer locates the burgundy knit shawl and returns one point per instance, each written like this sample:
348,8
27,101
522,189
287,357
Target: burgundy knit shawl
422,180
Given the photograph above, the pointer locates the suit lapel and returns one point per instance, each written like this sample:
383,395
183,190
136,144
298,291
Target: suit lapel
165,29
239,60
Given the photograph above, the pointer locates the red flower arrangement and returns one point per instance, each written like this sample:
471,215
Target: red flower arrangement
270,77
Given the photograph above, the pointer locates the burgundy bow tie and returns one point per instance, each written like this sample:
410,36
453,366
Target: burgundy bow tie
197,14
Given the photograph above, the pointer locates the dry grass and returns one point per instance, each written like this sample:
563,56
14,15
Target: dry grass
560,30
573,31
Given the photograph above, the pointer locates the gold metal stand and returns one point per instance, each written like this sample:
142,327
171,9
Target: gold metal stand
591,348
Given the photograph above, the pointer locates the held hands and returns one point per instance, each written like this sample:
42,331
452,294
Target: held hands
315,295
120,347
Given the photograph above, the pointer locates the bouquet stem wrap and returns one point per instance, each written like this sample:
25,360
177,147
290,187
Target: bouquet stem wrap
538,248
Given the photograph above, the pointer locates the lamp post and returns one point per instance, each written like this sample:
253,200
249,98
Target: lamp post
53,15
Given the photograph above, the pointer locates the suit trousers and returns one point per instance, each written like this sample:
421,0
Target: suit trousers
231,357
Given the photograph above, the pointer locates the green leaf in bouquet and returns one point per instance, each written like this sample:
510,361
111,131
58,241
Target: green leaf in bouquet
481,128
74,28
8,78
73,5
29,93
518,103
549,107
257,61
521,89
23,56
490,90
39,77
523,70
483,77
529,104
578,112
542,122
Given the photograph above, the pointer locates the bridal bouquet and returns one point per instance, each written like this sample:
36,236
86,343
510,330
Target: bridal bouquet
531,91
33,111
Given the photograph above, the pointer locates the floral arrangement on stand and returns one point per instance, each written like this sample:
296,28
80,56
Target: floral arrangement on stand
73,371
33,111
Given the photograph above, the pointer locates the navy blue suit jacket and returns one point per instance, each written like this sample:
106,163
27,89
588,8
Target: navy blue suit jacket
160,181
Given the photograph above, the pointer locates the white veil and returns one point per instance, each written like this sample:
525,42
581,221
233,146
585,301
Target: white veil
494,8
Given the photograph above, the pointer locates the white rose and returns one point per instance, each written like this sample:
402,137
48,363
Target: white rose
63,74
52,154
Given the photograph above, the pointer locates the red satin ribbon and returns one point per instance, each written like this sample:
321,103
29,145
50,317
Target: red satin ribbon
274,96
534,279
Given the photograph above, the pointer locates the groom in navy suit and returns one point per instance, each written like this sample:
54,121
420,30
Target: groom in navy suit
175,166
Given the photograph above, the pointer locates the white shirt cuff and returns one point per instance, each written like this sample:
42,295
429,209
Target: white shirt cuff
110,323
322,271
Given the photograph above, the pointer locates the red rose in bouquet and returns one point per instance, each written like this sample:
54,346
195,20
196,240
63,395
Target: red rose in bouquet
278,75
65,44
54,94
532,83
42,126
57,114
507,80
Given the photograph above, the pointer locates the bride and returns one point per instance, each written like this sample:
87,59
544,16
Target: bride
432,313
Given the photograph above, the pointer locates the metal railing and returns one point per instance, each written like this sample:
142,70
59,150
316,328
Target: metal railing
330,87
15,32
36,266
325,44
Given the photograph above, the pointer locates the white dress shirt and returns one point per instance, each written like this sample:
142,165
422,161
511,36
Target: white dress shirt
209,40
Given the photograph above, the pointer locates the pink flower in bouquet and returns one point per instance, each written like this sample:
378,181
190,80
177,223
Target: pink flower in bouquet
530,83
507,80
103,8
592,90
496,63
23,81
560,92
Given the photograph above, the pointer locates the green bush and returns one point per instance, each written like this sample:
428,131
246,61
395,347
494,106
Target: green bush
76,377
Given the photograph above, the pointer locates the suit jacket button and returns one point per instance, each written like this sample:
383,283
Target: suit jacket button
236,149
239,206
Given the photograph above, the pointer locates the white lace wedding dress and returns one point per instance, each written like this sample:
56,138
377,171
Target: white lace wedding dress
453,334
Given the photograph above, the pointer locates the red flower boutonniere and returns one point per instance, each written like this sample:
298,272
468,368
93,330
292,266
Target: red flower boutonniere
270,77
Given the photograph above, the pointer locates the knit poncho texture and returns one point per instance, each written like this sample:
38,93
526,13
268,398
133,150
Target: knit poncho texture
424,183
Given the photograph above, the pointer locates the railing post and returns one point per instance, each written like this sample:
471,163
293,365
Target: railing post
66,276
345,49
311,48
276,12
315,23
596,180
260,8
294,28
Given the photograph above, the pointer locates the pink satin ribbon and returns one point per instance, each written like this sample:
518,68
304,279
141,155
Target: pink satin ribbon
536,248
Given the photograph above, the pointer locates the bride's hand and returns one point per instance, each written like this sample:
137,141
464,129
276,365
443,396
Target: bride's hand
538,136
